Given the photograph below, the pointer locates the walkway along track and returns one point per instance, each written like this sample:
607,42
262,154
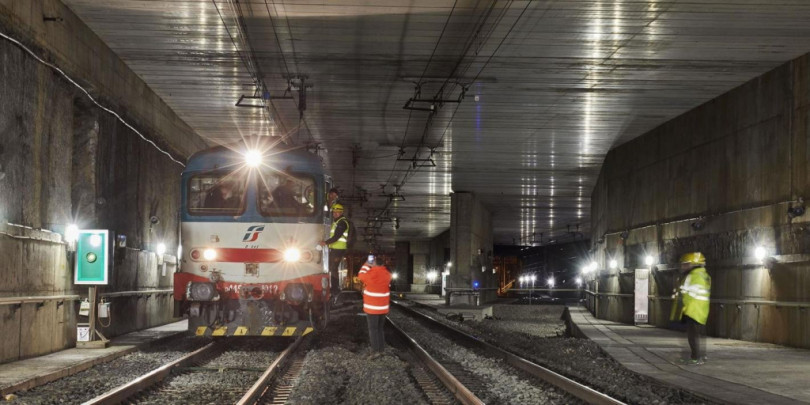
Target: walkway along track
568,385
126,393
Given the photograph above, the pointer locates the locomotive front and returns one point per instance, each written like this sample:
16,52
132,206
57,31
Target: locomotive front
251,222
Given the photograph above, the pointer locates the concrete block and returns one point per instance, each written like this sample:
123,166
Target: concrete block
36,329
10,318
11,258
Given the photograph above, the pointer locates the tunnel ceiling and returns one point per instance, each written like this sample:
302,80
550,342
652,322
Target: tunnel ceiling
530,96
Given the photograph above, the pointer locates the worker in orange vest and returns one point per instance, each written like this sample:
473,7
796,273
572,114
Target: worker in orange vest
376,297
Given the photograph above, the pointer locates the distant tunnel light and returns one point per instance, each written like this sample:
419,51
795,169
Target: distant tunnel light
395,275
648,260
613,264
760,253
579,281
550,282
253,158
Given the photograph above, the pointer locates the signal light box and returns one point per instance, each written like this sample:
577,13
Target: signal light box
92,258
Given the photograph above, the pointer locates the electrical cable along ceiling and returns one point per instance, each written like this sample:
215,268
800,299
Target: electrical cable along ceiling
410,100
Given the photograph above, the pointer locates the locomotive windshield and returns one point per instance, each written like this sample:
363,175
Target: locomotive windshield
286,194
216,194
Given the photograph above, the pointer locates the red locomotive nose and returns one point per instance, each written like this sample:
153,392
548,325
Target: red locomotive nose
195,254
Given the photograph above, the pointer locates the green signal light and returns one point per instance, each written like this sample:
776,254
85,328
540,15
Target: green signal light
91,257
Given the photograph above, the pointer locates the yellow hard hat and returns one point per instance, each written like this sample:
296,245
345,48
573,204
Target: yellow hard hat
693,258
337,207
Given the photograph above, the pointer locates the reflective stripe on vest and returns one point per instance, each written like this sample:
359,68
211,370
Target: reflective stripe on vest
343,241
375,302
376,308
373,294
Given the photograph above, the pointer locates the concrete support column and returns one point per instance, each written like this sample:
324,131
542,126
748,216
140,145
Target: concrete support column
421,259
471,248
402,268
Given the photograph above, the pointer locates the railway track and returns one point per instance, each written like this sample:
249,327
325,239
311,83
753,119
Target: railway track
469,388
220,372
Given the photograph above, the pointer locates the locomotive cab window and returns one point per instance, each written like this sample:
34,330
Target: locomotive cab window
216,194
285,194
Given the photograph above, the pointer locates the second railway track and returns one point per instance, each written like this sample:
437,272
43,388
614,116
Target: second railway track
493,375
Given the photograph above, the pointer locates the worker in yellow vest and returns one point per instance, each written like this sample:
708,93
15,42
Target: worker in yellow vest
338,243
691,304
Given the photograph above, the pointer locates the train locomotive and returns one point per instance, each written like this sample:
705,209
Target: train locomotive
251,222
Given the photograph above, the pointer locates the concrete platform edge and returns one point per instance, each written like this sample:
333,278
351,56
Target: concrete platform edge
79,367
576,331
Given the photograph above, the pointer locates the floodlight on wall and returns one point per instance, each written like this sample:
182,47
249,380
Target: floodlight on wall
649,260
613,264
760,253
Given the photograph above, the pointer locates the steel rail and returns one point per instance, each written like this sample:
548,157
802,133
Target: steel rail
255,392
462,393
121,393
566,384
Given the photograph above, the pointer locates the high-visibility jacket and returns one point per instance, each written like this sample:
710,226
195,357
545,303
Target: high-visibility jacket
376,294
694,293
342,241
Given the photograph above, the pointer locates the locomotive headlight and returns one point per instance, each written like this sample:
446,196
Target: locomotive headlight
209,254
253,158
292,255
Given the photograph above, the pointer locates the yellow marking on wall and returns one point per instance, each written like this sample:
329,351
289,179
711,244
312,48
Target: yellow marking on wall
240,331
307,330
289,331
220,331
200,330
269,330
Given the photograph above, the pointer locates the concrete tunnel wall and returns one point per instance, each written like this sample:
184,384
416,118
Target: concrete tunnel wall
719,179
65,160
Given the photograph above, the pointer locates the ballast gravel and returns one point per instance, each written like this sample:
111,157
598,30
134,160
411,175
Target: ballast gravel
223,379
88,384
337,369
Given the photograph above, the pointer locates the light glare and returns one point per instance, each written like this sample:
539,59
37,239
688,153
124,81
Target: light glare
71,233
292,255
209,254
253,158
161,249
759,252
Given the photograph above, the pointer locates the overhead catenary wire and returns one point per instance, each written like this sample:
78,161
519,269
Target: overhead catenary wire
89,96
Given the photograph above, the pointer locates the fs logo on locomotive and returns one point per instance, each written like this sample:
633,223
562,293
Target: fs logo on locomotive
253,233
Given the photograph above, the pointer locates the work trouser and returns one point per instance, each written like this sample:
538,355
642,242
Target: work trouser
694,330
375,332
335,257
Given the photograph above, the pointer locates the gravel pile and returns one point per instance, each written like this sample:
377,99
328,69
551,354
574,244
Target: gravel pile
99,379
503,384
337,371
537,333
